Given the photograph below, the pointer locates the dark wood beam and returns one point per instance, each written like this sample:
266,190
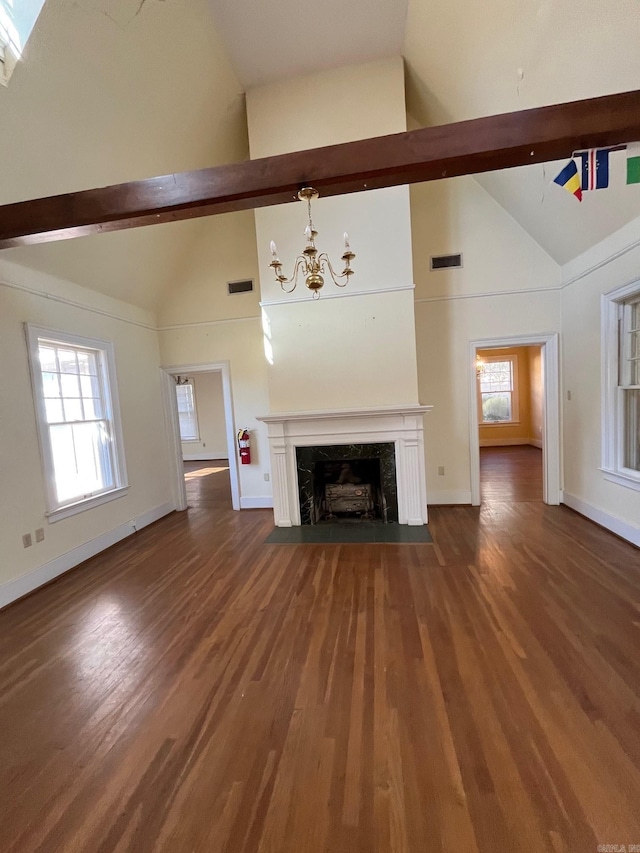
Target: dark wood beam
467,147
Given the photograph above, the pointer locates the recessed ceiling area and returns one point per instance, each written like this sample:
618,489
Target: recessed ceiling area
290,38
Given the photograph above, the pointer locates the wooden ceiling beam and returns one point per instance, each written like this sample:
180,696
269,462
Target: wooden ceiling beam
467,147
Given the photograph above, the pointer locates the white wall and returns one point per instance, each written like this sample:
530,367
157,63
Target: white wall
508,286
26,296
348,351
606,267
212,437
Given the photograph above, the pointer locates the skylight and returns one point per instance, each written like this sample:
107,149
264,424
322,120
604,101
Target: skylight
17,20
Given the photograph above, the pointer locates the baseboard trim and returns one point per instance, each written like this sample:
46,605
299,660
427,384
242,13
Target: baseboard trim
447,498
18,588
503,442
535,442
204,457
616,525
261,502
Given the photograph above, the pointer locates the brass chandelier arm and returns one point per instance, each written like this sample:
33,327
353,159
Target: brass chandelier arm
323,259
283,280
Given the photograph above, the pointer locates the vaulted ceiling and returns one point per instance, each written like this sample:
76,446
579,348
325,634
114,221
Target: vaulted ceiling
114,90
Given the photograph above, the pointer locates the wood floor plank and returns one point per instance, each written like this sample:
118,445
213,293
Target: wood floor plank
195,689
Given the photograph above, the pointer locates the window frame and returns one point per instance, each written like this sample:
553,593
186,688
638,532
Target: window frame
515,396
196,439
57,510
612,389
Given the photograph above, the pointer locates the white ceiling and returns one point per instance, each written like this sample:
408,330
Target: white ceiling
116,90
268,41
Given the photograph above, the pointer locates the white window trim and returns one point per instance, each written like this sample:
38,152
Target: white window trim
515,394
56,511
612,399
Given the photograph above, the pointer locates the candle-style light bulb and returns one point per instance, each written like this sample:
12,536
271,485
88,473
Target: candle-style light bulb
307,233
274,250
346,240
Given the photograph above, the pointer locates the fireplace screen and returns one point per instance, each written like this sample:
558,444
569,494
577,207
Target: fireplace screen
347,483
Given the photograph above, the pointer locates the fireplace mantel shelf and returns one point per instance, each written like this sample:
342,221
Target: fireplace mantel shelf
325,414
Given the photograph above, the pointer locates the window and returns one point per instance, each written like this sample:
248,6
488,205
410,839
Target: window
187,413
497,390
17,20
621,386
78,425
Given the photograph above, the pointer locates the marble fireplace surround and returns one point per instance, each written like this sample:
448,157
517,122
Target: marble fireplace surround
402,425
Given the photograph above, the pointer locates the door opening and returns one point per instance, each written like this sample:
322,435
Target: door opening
200,424
514,419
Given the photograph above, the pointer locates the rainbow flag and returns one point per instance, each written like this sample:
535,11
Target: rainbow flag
569,179
633,163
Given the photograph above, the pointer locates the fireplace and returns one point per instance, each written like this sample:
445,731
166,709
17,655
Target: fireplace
392,438
347,483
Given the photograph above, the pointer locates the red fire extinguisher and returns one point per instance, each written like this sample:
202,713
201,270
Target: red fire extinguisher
244,443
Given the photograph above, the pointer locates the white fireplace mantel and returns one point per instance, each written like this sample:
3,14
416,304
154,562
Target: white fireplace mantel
402,425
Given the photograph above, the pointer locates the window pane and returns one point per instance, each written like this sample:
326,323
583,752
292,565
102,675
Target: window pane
87,363
90,386
187,413
632,430
92,408
496,376
70,385
496,407
73,410
81,459
51,384
67,360
54,411
47,358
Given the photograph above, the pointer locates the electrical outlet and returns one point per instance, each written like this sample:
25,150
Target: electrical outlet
440,470
568,395
26,540
40,534
266,478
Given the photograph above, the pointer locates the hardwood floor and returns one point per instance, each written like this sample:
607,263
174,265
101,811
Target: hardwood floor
511,473
207,483
194,689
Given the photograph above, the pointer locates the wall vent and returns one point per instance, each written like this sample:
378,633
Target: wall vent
243,286
446,262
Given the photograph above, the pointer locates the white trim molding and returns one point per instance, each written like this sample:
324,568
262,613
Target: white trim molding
604,519
268,303
449,497
18,588
258,502
203,456
401,425
551,448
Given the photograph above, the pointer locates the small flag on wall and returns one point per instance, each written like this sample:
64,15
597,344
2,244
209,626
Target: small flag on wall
595,168
569,180
633,163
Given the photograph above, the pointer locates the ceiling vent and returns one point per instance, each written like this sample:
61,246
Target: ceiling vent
446,262
243,286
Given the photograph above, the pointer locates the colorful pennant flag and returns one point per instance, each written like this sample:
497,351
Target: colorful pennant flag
569,180
633,163
595,168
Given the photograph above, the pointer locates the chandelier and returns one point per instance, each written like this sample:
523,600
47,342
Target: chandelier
311,264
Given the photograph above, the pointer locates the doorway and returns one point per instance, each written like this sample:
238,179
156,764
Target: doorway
510,388
513,390
203,465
